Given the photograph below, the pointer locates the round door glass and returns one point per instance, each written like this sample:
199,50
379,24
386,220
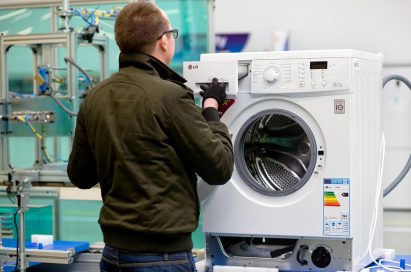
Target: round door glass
275,152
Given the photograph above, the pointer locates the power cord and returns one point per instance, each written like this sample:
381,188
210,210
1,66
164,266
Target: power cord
380,263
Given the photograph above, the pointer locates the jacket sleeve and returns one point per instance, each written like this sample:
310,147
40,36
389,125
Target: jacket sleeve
81,168
207,145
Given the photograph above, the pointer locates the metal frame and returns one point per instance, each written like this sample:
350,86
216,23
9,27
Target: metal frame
39,44
8,254
9,4
44,193
44,50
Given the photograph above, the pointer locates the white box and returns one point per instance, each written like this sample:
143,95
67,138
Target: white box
41,238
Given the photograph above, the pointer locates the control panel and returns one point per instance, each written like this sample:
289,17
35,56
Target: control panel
300,75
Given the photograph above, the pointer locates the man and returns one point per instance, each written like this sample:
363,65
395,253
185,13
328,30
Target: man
142,138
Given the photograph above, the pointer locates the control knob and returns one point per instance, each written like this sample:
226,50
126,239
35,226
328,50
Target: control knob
321,257
271,74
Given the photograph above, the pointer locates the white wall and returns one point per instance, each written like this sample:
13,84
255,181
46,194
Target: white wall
370,25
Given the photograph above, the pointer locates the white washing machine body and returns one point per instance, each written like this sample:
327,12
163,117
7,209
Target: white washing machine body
306,128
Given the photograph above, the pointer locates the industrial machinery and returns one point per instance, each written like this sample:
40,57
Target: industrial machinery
45,114
305,194
48,106
45,117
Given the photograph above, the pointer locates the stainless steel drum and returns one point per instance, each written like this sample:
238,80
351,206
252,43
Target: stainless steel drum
275,152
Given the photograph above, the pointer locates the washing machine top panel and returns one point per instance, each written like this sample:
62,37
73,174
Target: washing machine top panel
301,54
297,73
275,152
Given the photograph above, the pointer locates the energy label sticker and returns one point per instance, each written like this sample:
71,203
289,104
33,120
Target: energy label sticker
336,206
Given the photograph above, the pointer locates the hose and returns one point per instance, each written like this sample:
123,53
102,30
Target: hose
407,166
69,112
72,62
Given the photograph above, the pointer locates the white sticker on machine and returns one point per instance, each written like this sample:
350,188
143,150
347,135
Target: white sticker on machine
336,206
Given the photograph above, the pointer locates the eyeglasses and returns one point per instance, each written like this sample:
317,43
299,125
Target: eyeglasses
173,31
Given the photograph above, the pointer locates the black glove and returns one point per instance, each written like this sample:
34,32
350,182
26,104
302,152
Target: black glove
214,90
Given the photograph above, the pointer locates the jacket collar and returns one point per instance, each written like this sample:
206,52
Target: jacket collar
151,64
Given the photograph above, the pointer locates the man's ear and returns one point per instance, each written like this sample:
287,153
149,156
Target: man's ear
163,43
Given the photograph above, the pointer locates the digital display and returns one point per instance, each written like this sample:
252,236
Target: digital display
318,65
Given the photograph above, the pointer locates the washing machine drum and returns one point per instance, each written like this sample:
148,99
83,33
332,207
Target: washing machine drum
275,152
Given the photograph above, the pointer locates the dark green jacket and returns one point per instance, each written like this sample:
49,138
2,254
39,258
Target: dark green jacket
142,138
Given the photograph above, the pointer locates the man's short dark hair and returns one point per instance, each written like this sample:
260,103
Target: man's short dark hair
138,26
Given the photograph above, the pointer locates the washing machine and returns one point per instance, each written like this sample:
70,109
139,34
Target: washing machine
306,127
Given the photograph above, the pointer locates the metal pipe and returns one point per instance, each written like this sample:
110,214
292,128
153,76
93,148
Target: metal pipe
66,10
22,250
23,205
65,5
211,28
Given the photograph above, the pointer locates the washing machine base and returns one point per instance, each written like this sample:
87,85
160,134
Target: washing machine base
286,254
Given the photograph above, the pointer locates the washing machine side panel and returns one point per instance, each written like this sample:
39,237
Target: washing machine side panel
366,158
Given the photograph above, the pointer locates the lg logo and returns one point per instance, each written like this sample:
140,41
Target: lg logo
191,67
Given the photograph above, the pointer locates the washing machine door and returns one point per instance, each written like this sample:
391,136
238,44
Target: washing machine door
275,152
